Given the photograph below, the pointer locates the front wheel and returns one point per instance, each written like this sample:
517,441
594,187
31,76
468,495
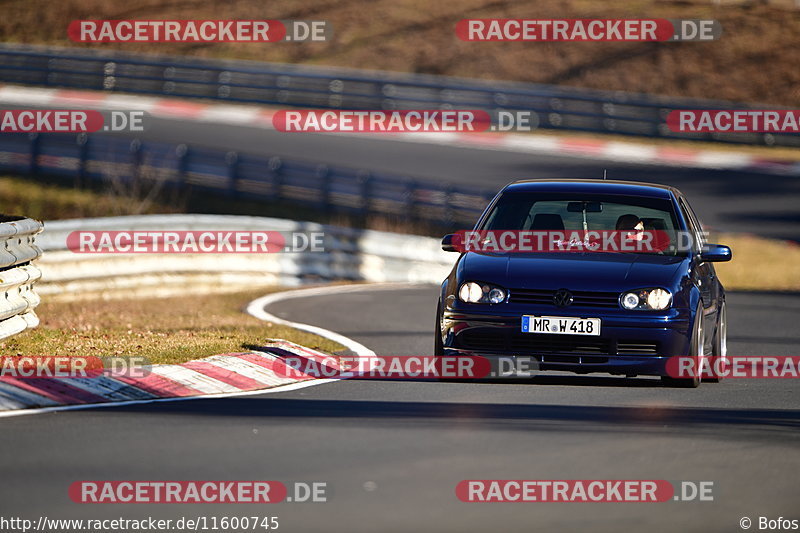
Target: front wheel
438,346
696,351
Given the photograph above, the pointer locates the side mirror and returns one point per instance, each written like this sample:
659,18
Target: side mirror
447,243
715,253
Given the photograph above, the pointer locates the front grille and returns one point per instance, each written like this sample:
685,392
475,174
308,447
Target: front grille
556,344
500,340
587,348
483,340
574,359
637,348
607,300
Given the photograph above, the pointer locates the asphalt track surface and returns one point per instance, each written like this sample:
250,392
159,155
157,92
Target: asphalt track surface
392,452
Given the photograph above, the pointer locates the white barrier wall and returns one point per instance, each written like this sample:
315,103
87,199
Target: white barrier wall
18,249
354,255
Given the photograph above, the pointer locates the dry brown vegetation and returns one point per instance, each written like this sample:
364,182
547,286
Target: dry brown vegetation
42,201
759,263
755,60
164,330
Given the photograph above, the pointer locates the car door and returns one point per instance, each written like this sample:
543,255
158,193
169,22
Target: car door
704,276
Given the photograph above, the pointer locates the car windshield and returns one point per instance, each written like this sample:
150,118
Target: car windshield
583,212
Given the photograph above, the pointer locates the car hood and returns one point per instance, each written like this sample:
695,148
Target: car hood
576,271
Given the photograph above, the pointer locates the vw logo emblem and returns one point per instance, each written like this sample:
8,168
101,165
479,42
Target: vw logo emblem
562,298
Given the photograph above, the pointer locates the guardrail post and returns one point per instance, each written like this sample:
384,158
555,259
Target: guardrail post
324,174
83,155
365,183
33,165
411,199
223,89
232,159
181,154
276,175
449,209
136,163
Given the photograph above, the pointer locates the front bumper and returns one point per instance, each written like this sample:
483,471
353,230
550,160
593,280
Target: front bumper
629,344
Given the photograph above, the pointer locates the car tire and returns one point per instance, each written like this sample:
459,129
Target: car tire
438,346
696,350
719,349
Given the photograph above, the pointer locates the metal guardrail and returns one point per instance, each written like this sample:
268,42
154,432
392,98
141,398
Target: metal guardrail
17,274
557,107
349,254
240,176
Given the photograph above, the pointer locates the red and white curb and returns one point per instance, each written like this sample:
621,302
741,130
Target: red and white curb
218,375
261,117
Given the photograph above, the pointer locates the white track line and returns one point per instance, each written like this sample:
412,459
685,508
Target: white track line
255,308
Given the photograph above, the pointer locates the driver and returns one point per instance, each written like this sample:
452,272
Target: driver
630,223
632,227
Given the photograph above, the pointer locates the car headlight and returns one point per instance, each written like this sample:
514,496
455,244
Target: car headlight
646,299
481,293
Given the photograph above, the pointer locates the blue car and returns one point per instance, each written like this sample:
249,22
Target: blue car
599,310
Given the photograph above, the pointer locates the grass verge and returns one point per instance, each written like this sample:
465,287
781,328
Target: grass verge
52,199
759,264
164,330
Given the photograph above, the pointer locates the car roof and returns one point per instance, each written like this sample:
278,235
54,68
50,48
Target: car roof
597,186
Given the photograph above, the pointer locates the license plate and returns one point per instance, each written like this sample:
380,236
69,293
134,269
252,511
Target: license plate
560,325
